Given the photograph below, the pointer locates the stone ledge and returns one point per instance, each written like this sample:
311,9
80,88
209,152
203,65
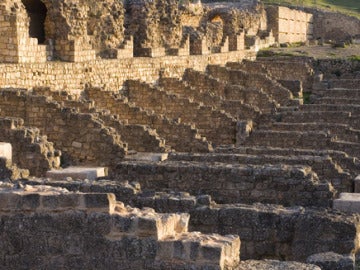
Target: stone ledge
51,199
90,173
348,202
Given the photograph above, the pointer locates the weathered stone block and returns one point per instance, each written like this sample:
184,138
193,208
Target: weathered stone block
348,202
332,261
90,173
6,151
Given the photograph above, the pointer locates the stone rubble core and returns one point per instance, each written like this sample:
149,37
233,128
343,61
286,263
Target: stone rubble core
155,239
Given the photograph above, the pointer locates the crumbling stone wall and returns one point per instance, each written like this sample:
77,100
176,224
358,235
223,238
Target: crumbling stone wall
51,228
82,138
16,46
105,24
30,149
269,231
154,24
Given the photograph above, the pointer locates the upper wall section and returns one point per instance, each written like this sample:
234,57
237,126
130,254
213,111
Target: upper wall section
35,31
289,25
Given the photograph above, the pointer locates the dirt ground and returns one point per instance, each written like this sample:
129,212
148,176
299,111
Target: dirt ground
319,52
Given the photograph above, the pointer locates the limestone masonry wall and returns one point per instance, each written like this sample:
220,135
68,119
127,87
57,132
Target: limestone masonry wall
107,74
289,25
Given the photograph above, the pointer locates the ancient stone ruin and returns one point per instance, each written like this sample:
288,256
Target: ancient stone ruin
143,134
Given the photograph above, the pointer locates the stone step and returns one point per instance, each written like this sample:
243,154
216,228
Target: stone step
5,151
217,126
82,173
171,130
231,183
341,131
274,138
344,83
331,107
337,100
349,163
338,93
146,156
323,166
344,117
348,202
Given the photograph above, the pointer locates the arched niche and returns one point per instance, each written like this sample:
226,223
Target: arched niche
215,30
37,13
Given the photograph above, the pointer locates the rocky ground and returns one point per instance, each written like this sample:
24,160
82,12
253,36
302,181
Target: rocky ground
326,51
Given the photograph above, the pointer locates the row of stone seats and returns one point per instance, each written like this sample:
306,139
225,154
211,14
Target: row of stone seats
238,108
322,126
215,125
138,137
297,69
29,149
323,166
180,136
342,131
290,232
81,137
211,82
231,183
275,91
341,159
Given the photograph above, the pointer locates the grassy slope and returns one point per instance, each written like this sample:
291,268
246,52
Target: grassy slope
350,7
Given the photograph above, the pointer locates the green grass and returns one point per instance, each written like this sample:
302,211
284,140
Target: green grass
354,58
350,7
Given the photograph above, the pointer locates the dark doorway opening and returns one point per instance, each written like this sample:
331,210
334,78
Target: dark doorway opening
37,14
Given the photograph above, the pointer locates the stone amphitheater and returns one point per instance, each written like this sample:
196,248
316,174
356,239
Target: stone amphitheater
139,134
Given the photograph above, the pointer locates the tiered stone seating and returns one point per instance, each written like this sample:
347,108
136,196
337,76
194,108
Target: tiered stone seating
238,108
180,136
81,137
271,87
138,137
231,183
323,166
215,125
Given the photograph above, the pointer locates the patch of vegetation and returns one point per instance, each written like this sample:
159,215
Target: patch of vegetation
354,58
306,97
349,7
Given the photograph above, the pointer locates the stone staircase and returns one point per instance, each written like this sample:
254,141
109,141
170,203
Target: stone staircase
138,137
215,125
80,136
238,108
180,136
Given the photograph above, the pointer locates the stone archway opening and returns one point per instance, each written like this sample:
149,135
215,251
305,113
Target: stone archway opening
37,13
215,31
